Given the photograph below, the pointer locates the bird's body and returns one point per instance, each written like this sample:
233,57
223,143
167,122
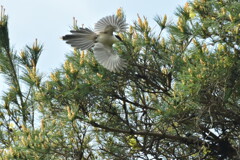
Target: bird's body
106,39
101,40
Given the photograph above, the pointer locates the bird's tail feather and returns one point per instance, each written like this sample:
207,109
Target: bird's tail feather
83,38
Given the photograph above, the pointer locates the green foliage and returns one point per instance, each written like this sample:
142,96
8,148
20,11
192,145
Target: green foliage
4,43
177,98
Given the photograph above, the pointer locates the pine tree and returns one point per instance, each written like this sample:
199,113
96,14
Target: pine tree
178,97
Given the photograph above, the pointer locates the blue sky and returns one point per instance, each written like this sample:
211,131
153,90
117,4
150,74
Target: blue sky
48,20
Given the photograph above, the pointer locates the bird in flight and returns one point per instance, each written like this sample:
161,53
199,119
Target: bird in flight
101,39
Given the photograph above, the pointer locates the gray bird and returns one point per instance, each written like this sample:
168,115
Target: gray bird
101,40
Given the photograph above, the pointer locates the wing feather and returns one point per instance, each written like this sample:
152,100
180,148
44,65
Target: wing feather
117,24
107,58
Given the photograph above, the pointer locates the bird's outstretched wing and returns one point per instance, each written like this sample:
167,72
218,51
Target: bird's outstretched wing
82,39
107,58
110,24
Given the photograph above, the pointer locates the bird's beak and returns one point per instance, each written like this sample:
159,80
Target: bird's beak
119,38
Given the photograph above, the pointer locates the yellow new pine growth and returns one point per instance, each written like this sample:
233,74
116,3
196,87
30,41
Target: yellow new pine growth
153,40
54,77
70,113
162,42
67,76
231,18
153,96
199,76
97,139
190,70
2,14
83,71
38,95
120,13
186,7
180,28
24,142
132,108
131,29
75,23
93,61
135,37
42,124
33,75
35,45
184,59
146,38
81,61
11,151
159,111
132,142
136,49
40,137
204,48
236,29
90,116
172,58
72,69
164,70
213,18
66,65
59,133
82,54
140,22
45,146
24,128
196,3
22,54
195,42
54,122
13,88
40,108
183,82
29,138
175,124
220,47
180,24
74,124
180,21
75,52
99,75
164,20
202,62
170,129
48,86
204,27
145,23
172,37
11,125
223,11
192,14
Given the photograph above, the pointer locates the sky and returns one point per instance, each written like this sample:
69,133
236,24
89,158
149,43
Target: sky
48,20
